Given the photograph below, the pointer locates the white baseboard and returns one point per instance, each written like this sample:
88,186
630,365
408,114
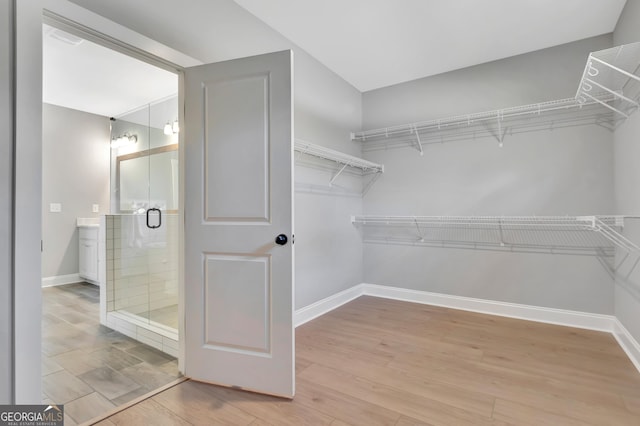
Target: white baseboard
563,317
512,310
61,280
627,342
328,304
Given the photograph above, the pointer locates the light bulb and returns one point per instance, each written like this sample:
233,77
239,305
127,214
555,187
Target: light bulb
168,130
176,127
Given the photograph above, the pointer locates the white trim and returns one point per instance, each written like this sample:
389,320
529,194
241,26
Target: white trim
137,321
627,342
102,267
585,320
113,30
62,280
321,307
568,318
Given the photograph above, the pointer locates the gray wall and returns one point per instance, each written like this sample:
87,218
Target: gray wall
75,173
6,201
328,248
560,172
627,181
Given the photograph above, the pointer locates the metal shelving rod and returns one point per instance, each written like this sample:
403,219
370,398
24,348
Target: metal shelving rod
604,104
620,70
606,89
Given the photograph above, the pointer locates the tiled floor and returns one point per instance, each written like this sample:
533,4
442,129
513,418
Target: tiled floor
88,367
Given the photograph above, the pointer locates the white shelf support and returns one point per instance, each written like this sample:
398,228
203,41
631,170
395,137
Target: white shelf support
417,138
333,179
606,89
604,104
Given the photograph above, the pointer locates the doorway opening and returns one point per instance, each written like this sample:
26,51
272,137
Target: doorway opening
110,252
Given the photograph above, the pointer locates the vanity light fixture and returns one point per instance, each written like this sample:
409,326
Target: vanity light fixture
171,129
123,140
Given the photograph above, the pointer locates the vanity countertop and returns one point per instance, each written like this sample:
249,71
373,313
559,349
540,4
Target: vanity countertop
88,222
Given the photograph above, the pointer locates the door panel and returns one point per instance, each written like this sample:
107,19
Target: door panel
238,198
238,311
229,106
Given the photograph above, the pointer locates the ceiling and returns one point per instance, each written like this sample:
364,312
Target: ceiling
369,43
82,75
378,43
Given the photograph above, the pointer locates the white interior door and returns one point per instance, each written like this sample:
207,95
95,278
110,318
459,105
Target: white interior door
238,199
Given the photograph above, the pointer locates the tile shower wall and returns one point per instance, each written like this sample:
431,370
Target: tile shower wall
142,265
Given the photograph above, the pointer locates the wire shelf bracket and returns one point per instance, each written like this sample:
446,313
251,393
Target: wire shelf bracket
598,236
343,160
613,71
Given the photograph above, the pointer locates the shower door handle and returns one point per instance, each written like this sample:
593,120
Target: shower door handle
159,218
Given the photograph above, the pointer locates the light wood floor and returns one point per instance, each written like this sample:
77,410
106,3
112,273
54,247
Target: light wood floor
383,362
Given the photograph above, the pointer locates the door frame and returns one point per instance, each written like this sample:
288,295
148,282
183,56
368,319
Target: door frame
27,302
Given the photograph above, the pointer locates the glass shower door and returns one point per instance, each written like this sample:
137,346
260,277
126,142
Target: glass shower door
129,202
146,194
163,216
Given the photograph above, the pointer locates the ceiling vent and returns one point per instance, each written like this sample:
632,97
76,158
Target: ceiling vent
64,37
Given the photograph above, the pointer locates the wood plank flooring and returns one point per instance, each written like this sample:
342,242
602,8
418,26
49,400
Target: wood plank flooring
383,362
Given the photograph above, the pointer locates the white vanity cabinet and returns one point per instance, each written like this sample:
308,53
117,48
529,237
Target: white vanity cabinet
88,253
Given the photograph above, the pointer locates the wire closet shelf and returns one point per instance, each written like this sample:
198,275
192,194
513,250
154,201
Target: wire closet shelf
346,160
607,94
577,235
612,71
343,160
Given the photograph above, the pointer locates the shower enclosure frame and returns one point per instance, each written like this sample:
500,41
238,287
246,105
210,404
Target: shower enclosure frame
141,277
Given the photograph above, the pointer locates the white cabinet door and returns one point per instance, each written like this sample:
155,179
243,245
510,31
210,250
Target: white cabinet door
88,254
239,223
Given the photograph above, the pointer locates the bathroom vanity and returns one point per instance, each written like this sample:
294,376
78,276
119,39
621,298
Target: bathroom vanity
88,252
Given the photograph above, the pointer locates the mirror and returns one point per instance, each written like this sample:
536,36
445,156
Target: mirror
148,179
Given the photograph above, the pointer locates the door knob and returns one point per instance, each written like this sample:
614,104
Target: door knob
281,239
